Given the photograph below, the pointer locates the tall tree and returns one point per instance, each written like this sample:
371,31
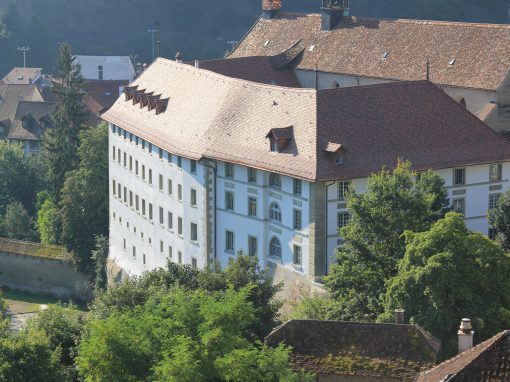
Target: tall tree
499,218
18,224
61,142
448,273
396,201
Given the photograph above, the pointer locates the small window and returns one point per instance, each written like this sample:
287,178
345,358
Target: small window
459,176
252,175
150,148
179,257
150,176
125,195
297,187
229,170
118,156
229,241
493,201
170,251
130,198
169,158
179,226
114,187
161,246
137,202
170,220
125,159
252,246
179,162
124,245
229,201
144,260
193,165
100,72
170,187
143,171
496,172
113,152
194,232
343,219
339,158
143,144
193,263
130,163
275,212
161,182
143,207
252,206
150,211
297,255
275,247
343,189
136,167
275,180
134,252
119,189
193,197
298,220
160,153
179,192
161,216
274,145
458,205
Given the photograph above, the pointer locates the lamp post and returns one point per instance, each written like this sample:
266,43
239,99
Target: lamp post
153,32
24,50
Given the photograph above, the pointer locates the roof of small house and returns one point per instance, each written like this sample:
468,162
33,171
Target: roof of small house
31,120
460,54
101,94
223,118
11,95
22,76
489,358
357,348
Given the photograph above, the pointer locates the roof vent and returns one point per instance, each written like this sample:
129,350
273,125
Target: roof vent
311,48
385,54
20,78
267,42
452,62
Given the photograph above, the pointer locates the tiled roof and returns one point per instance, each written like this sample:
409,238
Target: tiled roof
101,94
356,47
29,123
21,76
486,362
357,348
11,95
228,119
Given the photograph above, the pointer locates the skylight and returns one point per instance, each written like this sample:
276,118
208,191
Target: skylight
452,62
311,48
267,43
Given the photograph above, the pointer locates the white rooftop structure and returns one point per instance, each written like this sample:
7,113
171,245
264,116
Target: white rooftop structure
106,67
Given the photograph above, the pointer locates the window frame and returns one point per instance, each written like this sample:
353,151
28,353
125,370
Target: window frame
297,187
229,201
297,255
252,206
275,212
229,241
459,170
272,245
499,176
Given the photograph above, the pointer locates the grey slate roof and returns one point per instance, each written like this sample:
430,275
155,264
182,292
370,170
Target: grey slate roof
31,120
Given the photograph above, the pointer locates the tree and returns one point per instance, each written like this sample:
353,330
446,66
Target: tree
84,202
60,143
373,239
99,257
17,223
448,273
49,220
499,219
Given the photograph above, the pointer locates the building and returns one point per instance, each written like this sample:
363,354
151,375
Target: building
203,165
101,95
23,76
470,62
338,351
118,68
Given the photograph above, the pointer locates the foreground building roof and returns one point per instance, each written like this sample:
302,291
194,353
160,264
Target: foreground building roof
460,54
357,348
214,116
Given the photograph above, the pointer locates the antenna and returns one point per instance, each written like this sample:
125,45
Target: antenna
24,50
153,31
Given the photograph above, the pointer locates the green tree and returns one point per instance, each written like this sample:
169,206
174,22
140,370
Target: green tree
49,221
499,218
17,223
99,257
373,238
448,273
60,143
84,202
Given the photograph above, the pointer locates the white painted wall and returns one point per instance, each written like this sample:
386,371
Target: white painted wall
114,67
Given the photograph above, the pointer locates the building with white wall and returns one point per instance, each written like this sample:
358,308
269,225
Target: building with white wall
117,68
203,165
469,61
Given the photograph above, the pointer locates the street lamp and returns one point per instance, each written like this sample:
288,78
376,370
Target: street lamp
24,50
153,31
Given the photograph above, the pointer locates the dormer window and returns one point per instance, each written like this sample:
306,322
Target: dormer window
279,139
335,150
339,158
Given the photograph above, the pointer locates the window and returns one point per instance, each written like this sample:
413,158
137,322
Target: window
170,220
229,201
459,176
130,137
179,162
298,224
161,216
150,211
229,170
179,226
343,219
130,198
170,187
193,197
134,252
136,202
179,257
136,167
252,206
193,165
143,144
297,255
118,155
124,244
275,212
339,158
119,190
493,200
496,172
297,187
99,72
274,145
252,175
275,247
150,176
114,186
169,157
113,152
170,251
143,171
458,205
144,259
160,153
125,159
130,163
229,241
150,148
179,192
160,182
193,263
161,246
143,207
252,245
343,189
125,195
275,180
194,232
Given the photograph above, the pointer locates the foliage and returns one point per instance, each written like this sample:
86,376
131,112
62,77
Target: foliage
499,218
49,220
17,223
181,335
99,257
315,307
448,273
373,238
60,143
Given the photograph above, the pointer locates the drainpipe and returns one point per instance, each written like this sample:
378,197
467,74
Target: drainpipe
212,166
326,266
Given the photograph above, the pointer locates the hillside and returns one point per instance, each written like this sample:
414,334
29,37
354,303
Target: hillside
199,29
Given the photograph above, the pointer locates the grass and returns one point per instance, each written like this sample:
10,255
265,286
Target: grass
22,302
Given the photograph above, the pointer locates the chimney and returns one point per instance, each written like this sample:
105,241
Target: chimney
399,316
178,57
332,12
270,7
465,335
197,64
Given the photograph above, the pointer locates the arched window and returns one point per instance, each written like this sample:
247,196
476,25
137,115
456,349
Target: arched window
276,213
275,180
275,247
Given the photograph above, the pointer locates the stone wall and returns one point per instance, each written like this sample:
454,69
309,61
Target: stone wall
36,268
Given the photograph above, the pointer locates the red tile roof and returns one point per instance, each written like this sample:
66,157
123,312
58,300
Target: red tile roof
228,119
356,47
